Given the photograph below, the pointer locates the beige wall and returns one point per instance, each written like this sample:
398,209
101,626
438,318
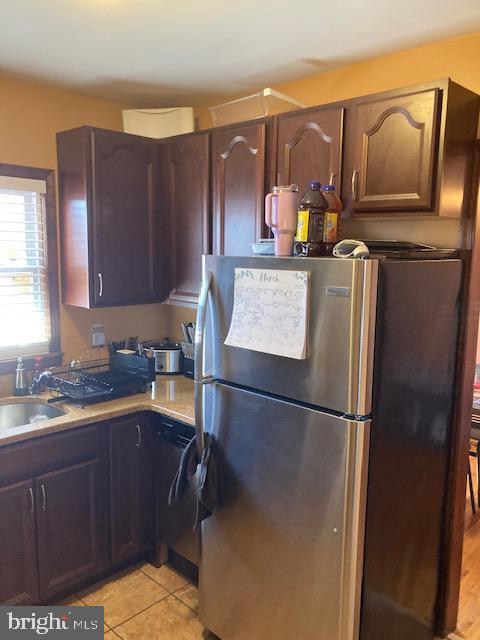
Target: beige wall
457,58
30,116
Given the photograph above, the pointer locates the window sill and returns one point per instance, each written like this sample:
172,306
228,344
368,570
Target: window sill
46,360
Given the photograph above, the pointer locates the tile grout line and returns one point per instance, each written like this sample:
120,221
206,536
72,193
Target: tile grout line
185,604
139,612
109,628
163,586
173,593
112,628
155,581
168,594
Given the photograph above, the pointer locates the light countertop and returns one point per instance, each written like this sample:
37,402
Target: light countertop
170,396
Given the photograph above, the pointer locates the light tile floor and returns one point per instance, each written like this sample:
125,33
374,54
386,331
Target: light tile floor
468,623
146,603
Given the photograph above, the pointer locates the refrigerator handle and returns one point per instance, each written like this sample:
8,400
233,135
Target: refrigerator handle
199,376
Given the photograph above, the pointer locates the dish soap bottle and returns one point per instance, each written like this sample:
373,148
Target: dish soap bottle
21,387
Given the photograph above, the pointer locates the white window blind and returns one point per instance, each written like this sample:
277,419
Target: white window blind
24,308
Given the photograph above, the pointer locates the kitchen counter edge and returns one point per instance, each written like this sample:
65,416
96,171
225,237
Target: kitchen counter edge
172,397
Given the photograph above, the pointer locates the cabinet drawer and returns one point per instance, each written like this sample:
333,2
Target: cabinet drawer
34,457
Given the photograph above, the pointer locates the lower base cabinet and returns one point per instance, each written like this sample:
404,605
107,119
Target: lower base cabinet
131,488
54,530
72,529
18,544
74,505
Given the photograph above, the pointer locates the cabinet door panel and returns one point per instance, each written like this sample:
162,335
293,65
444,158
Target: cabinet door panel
238,162
188,188
18,545
310,147
392,145
71,524
131,495
124,218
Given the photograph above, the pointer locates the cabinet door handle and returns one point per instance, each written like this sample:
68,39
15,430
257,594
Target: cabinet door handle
332,179
32,501
44,497
354,184
139,436
100,284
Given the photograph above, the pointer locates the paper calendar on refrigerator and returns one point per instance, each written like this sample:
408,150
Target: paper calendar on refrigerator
270,312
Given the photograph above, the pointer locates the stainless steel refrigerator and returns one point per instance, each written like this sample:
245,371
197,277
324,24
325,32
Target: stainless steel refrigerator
283,554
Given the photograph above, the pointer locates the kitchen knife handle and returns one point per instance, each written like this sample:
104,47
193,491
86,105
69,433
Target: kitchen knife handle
183,326
200,377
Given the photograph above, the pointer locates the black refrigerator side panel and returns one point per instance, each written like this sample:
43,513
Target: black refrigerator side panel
413,394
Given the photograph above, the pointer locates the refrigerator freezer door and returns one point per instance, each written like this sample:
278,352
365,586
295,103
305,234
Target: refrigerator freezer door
337,371
282,554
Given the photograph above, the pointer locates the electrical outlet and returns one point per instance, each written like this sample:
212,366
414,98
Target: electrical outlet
98,335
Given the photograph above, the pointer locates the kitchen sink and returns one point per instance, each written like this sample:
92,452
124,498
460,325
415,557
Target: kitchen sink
17,414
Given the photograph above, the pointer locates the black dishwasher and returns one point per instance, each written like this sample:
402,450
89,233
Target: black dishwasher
174,524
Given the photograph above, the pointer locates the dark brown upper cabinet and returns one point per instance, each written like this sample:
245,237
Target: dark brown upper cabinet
392,148
407,151
137,214
238,187
309,147
183,176
109,214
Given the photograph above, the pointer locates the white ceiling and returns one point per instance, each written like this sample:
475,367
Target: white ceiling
158,53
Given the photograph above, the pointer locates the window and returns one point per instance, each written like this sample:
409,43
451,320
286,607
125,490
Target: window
28,273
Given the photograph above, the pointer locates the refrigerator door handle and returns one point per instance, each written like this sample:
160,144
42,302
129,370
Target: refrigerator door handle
200,378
